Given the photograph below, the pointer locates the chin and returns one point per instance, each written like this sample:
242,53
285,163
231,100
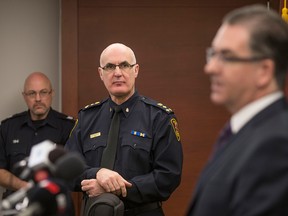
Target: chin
120,93
40,112
217,100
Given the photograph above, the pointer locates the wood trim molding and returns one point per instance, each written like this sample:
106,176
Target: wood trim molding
69,40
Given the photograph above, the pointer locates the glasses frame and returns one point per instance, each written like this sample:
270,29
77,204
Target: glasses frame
122,66
42,93
212,53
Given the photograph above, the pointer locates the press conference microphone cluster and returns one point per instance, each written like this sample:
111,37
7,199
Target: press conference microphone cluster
60,163
48,169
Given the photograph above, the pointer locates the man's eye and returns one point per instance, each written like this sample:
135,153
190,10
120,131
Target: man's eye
31,93
124,65
44,92
110,66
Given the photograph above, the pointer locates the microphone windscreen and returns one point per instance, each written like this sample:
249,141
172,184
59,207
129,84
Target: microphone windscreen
69,166
55,154
44,194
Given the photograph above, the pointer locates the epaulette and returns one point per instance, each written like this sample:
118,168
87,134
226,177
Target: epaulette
66,117
156,104
98,103
15,116
62,115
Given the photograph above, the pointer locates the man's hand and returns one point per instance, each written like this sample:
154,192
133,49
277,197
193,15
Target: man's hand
92,187
10,181
112,182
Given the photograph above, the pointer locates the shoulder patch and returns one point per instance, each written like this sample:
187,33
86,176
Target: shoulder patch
175,126
156,104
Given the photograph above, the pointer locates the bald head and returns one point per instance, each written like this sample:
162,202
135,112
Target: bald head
119,81
118,49
37,76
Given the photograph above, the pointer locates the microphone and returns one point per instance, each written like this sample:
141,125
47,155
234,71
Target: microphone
69,166
33,209
20,166
48,197
48,166
13,199
43,156
39,155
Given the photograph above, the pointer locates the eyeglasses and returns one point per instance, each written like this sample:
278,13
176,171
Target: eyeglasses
226,57
122,66
42,94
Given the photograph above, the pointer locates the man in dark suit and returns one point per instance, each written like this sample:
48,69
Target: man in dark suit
247,63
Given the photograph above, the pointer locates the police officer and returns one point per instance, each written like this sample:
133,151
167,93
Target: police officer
148,163
21,131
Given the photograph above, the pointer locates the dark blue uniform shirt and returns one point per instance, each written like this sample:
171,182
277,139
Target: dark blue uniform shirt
149,151
18,134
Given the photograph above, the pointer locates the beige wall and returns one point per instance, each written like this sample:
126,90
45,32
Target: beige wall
29,41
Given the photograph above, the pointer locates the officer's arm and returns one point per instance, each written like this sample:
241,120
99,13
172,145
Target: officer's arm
10,181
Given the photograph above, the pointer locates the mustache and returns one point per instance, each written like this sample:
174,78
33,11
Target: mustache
39,104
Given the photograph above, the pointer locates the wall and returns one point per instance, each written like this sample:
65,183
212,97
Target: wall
29,41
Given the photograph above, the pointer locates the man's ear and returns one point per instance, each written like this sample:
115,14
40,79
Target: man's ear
136,70
100,71
266,73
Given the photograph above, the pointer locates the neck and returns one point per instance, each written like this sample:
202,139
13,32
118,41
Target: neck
121,98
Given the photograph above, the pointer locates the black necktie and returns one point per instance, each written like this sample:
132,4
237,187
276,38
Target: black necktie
109,153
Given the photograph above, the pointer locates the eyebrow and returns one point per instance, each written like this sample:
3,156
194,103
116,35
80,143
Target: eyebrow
117,64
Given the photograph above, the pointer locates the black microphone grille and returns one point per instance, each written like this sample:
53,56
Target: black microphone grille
56,153
69,166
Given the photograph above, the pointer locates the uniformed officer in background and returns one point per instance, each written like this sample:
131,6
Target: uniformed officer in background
21,131
148,163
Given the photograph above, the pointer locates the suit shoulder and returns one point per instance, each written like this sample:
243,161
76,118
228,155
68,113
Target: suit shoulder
14,116
156,104
93,105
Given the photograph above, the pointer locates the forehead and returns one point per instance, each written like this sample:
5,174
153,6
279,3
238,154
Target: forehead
37,83
116,55
232,37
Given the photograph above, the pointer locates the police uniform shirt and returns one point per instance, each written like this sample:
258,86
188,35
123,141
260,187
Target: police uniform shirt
149,153
18,134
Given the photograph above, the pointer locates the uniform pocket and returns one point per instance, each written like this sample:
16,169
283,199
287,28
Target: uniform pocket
137,153
93,149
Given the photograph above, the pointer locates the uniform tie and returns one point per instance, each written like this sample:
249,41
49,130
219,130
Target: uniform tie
109,153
